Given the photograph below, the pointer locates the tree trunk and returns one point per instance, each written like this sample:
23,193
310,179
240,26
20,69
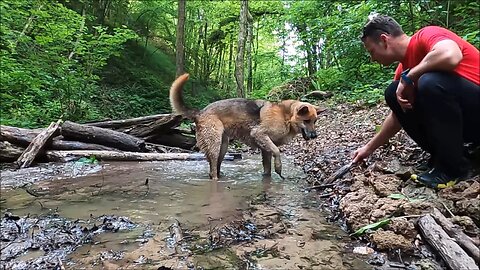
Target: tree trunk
249,53
204,55
180,41
239,63
102,136
27,157
80,34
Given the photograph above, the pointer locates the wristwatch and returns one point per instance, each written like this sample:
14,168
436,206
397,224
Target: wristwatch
405,77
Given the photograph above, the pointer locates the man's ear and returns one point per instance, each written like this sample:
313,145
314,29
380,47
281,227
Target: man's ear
384,38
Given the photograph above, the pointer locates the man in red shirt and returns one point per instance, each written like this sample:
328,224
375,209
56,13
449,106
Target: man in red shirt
434,97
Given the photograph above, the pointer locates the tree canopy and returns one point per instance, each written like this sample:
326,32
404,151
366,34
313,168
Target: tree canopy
92,59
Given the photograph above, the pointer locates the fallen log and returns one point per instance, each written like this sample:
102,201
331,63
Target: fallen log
157,148
24,136
173,139
456,233
107,137
142,126
117,124
10,152
27,157
158,126
66,156
57,144
18,136
453,255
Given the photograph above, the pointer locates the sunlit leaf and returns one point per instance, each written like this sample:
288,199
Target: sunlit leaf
372,226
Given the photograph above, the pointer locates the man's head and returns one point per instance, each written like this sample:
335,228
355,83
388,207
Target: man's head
378,36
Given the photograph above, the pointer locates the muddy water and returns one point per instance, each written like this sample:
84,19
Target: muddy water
155,195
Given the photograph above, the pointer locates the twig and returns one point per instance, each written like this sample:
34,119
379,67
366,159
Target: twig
32,192
448,210
148,187
327,195
339,173
322,186
396,265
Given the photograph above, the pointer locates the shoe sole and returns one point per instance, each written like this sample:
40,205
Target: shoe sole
414,177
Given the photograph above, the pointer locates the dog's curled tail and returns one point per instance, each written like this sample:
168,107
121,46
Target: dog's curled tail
176,97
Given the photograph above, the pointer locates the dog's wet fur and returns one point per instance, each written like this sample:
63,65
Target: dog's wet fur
257,123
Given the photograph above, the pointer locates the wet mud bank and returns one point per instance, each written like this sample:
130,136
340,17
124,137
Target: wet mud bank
379,192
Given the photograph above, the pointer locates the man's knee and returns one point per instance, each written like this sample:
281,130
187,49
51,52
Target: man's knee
391,93
428,84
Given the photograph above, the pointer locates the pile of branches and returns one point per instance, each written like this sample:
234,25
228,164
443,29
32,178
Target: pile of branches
297,88
154,137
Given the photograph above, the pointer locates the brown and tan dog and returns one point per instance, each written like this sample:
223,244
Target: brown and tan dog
257,123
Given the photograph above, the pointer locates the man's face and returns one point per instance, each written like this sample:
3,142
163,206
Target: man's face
379,51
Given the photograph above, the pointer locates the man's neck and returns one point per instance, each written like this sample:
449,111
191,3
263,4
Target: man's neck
401,46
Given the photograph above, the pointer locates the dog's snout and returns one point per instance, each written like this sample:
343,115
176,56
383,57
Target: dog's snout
307,134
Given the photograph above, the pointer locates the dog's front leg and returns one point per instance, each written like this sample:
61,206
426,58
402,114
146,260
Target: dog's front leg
266,144
267,162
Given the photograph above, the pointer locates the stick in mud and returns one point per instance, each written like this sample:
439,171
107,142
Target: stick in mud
339,173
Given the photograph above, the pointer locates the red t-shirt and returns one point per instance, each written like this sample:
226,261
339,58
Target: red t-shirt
422,42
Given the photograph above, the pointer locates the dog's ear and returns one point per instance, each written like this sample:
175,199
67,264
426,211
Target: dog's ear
303,110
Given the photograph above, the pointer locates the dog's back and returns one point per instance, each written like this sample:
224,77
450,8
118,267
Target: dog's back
237,115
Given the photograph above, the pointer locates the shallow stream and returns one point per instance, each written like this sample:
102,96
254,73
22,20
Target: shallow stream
155,195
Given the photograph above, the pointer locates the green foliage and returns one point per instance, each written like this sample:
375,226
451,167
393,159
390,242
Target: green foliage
372,226
50,62
117,60
89,160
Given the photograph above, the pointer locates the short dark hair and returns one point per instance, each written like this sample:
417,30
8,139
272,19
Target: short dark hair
381,24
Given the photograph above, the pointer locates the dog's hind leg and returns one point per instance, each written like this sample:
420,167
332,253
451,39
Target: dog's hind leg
223,151
209,140
267,162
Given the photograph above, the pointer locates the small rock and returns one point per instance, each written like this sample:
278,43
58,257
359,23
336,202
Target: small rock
376,259
363,250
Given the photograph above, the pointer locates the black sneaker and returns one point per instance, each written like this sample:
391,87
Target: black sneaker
424,166
437,179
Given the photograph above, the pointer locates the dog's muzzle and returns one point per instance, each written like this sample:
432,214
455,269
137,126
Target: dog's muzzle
307,135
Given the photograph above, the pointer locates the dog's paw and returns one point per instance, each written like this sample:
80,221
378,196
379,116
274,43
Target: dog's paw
280,174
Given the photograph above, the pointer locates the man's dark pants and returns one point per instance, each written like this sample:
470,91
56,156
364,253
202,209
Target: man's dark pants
445,115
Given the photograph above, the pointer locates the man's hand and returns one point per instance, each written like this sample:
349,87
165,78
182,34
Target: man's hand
361,153
405,95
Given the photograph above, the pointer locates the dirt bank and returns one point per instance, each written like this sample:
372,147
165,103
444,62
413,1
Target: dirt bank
380,189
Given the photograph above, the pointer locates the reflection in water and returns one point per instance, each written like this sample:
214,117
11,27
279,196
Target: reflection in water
151,192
